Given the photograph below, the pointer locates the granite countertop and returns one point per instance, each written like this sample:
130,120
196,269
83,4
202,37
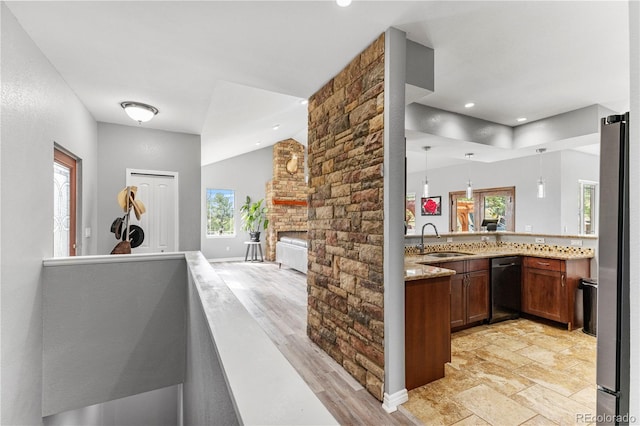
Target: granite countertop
416,271
417,266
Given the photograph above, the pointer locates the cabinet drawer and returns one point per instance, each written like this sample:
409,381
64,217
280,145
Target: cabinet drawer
457,266
541,263
477,265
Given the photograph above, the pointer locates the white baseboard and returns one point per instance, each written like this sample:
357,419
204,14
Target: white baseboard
390,402
225,259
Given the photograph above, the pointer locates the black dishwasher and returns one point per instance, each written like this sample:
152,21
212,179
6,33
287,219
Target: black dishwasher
505,288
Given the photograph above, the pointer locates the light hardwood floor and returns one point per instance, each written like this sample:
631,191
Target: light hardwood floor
277,299
514,372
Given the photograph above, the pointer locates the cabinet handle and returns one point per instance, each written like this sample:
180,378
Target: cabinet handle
543,264
562,280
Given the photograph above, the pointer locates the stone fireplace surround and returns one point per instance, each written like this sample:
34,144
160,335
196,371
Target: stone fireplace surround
286,195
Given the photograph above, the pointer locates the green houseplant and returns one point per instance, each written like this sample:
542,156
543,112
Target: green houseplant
254,217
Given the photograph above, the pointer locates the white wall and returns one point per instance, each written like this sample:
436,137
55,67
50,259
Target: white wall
575,166
122,147
246,174
38,109
634,26
561,171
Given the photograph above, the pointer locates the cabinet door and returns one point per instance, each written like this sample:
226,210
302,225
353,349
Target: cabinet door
544,294
457,300
477,296
427,331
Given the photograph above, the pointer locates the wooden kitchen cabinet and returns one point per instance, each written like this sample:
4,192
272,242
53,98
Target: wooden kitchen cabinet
427,331
469,291
549,288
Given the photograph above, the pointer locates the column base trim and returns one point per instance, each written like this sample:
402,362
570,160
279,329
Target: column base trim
390,402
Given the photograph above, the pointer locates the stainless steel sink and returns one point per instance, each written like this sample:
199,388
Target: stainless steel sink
448,254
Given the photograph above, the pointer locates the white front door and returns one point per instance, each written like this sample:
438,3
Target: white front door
158,191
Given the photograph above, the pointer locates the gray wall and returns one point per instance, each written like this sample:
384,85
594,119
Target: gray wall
157,408
38,109
561,171
112,330
246,174
122,147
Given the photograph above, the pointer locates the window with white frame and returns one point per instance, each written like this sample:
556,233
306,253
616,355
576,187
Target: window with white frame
220,212
588,206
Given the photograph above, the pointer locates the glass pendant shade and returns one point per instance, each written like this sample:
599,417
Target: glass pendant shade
541,188
138,111
425,186
469,194
541,192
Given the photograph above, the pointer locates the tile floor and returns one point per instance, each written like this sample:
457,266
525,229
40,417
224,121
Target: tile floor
517,372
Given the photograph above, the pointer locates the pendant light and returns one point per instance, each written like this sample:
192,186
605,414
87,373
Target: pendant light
425,187
469,155
541,185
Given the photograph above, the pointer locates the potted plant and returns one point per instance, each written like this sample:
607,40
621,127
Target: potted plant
254,217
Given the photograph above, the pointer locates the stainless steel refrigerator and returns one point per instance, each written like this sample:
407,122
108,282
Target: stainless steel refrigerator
613,273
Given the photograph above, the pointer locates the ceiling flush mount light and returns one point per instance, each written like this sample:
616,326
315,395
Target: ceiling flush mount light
138,111
541,186
521,119
425,187
469,155
343,3
469,105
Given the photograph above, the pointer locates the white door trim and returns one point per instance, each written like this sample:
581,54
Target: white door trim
130,172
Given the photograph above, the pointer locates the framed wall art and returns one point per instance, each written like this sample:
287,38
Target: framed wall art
431,206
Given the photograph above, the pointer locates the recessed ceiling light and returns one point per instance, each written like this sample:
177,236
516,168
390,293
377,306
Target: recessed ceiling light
521,119
258,143
276,127
304,102
469,105
343,3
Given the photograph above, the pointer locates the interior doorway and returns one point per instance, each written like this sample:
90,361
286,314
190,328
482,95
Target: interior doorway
64,204
158,191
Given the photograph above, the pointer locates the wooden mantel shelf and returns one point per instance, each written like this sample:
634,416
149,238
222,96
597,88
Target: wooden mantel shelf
282,202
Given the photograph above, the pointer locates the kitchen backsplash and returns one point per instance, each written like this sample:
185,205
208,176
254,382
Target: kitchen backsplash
492,246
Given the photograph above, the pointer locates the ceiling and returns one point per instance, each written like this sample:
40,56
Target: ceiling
231,70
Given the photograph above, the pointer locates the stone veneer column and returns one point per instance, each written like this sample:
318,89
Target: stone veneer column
345,277
286,194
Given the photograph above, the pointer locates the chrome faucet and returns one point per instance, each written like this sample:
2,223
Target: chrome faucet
421,246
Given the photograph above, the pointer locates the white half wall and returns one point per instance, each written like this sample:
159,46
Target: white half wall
158,408
114,326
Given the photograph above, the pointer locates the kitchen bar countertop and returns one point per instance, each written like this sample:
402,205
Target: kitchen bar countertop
419,266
